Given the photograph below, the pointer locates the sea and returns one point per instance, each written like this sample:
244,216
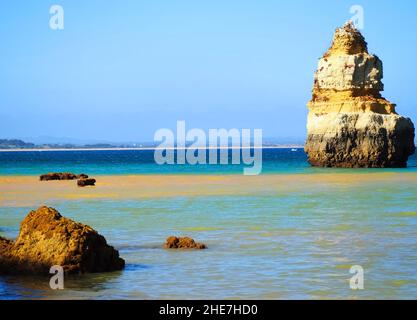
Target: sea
299,243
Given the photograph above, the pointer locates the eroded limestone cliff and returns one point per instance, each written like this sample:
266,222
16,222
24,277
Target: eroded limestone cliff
349,123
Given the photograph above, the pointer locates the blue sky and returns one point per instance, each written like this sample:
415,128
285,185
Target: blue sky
120,70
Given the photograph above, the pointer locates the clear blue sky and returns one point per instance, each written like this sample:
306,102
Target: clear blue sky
122,69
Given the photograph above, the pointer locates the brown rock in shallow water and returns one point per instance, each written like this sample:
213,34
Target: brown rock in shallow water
57,176
86,182
46,239
5,246
183,243
82,176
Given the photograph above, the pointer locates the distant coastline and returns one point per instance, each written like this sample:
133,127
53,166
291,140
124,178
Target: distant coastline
142,148
15,145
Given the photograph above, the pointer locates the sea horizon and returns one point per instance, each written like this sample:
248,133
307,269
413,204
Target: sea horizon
285,146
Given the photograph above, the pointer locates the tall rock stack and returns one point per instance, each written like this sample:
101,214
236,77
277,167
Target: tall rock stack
349,123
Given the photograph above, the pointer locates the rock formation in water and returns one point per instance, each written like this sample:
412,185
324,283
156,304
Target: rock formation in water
82,179
86,182
62,176
5,247
46,239
183,243
349,123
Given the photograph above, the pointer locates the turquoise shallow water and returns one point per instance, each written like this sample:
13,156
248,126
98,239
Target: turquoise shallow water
274,244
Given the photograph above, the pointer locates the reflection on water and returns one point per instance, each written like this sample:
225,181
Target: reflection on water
268,245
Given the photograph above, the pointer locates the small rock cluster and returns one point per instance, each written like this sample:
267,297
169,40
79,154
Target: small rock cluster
82,179
173,242
48,239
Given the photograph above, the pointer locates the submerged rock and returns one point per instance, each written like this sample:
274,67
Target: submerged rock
46,238
86,182
183,243
349,123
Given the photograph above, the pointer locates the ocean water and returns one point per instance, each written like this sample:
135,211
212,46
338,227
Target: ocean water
275,243
110,162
